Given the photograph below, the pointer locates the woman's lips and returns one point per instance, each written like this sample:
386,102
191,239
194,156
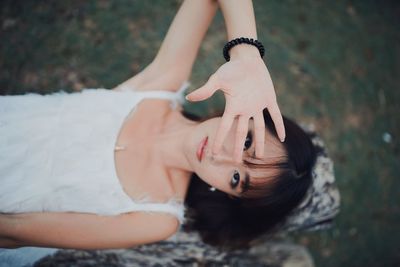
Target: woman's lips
200,149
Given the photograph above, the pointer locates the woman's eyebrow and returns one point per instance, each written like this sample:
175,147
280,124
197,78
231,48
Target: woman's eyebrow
253,155
244,186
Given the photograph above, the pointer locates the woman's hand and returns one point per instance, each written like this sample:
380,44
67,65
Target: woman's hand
248,90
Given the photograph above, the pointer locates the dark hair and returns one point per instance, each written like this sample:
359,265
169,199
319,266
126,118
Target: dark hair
231,222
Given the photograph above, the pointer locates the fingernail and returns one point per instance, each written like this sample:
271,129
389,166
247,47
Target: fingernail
187,97
283,139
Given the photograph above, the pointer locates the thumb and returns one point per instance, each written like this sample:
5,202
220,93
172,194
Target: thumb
204,92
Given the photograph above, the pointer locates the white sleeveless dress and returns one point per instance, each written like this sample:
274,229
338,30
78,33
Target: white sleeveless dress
57,155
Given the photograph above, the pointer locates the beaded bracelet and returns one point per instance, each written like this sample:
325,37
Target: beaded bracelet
242,40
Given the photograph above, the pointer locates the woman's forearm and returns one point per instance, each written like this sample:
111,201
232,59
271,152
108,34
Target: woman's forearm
174,61
240,22
183,39
181,44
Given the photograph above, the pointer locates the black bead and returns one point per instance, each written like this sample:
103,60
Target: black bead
242,40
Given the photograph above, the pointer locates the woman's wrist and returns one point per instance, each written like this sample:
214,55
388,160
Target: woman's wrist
240,22
244,51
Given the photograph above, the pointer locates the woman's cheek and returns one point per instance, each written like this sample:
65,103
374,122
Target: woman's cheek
219,179
209,177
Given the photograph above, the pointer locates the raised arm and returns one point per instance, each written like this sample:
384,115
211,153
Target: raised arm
84,231
175,58
245,82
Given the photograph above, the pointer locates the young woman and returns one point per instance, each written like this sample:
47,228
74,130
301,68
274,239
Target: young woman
118,168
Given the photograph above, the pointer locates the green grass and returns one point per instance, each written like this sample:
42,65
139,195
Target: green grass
333,63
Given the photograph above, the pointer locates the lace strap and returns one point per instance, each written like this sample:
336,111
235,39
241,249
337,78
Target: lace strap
172,206
175,97
181,92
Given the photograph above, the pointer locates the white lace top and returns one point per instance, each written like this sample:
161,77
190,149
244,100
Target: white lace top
57,152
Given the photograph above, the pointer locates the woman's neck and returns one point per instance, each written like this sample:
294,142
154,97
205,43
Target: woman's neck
169,146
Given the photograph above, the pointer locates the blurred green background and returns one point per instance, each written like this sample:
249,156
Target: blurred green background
333,63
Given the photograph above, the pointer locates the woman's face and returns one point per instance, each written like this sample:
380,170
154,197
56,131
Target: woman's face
221,171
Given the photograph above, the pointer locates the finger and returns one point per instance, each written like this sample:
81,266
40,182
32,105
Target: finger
223,129
259,132
204,92
278,121
241,133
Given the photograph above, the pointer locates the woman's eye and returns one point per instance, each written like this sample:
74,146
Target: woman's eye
235,179
249,140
